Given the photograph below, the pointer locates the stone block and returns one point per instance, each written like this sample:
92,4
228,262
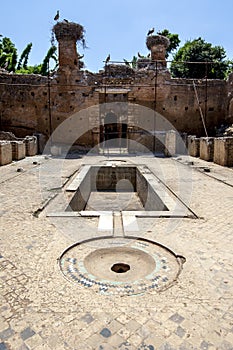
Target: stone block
18,150
5,152
31,145
41,142
207,148
170,143
175,143
193,146
223,151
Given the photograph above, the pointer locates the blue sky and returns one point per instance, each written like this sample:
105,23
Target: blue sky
117,27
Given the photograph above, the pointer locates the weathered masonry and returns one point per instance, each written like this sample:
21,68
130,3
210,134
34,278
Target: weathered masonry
35,104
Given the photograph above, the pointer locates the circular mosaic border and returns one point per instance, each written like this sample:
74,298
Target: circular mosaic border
167,266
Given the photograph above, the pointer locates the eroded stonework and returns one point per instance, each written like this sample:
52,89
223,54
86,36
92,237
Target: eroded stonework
32,103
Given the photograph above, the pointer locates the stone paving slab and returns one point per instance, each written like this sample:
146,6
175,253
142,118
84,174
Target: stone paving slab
40,309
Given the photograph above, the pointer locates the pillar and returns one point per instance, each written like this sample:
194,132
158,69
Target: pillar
67,35
158,45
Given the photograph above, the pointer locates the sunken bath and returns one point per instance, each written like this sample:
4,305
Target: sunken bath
118,188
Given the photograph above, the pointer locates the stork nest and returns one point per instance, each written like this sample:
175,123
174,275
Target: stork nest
69,30
155,40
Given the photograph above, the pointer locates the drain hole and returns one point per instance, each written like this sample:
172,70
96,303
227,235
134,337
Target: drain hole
120,268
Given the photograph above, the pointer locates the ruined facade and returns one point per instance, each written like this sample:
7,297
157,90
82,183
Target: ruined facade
35,104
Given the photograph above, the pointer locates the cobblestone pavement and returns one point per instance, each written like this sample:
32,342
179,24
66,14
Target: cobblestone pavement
40,309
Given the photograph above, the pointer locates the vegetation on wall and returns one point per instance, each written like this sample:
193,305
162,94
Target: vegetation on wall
132,63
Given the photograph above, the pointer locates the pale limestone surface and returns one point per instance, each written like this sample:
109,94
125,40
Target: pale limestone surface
40,309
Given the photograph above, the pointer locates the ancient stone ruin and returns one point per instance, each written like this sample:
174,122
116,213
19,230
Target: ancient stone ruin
34,104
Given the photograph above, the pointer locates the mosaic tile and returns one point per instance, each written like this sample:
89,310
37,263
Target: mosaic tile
126,346
106,333
204,345
226,346
7,333
187,346
167,346
105,347
165,271
87,318
180,332
146,347
176,318
27,333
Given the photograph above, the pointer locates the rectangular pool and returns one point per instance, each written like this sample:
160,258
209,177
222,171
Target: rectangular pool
118,188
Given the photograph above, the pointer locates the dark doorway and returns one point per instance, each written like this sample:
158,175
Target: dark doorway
111,127
113,132
124,135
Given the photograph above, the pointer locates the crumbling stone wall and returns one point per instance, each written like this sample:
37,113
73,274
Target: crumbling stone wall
25,107
35,104
23,103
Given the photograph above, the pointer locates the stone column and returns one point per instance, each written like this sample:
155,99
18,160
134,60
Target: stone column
158,45
67,35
